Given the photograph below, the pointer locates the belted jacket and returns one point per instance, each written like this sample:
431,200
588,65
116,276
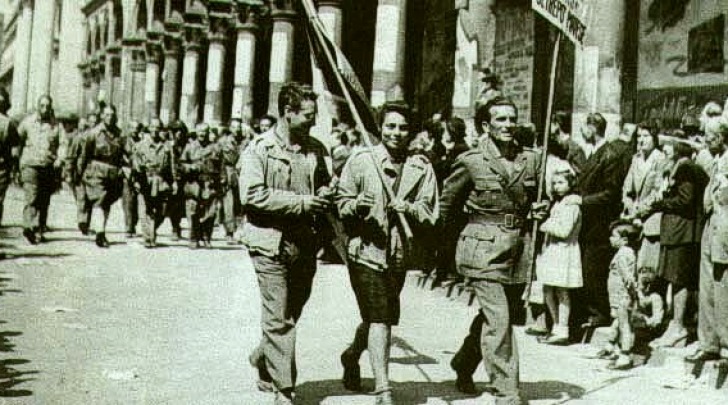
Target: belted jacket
155,164
39,140
375,240
275,181
495,193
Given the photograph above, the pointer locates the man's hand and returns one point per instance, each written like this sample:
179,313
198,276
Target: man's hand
364,204
315,205
398,205
540,210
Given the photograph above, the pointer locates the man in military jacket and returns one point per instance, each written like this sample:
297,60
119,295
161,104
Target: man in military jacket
495,185
202,163
281,173
130,195
230,148
40,139
153,161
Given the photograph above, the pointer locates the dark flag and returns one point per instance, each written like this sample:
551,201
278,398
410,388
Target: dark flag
321,47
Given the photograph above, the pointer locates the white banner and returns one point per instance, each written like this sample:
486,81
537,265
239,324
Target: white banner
569,16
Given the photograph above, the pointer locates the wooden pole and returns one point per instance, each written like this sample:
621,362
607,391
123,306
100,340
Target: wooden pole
311,11
544,158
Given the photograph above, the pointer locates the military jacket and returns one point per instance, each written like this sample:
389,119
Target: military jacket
375,240
40,141
155,163
103,149
496,195
202,162
275,181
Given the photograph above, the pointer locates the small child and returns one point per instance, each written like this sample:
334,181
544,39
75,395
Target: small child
559,265
649,310
622,289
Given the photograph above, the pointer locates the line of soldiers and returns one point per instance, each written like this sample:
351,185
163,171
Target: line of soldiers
175,172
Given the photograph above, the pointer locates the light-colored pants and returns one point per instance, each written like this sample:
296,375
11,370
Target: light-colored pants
285,286
713,300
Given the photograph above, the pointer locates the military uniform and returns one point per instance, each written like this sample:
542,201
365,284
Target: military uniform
130,195
153,163
204,180
496,192
39,141
176,202
275,182
100,163
83,208
8,141
230,149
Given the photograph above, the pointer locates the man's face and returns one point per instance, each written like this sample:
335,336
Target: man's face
302,120
154,129
45,107
502,122
235,127
395,131
265,125
589,132
645,142
714,140
203,134
108,116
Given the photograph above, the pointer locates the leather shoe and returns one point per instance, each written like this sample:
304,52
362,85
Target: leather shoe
352,372
702,355
30,236
464,381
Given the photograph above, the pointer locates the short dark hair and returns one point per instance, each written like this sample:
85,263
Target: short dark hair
647,126
293,94
682,150
482,114
178,126
598,121
395,106
457,129
563,119
627,230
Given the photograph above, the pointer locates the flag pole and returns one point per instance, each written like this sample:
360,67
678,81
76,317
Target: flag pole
311,11
544,158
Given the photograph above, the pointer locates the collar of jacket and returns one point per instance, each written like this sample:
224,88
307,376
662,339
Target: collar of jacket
492,154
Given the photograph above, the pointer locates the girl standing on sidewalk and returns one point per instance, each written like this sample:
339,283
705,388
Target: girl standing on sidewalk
559,265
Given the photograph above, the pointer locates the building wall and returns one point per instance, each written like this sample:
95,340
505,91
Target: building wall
682,57
66,76
514,55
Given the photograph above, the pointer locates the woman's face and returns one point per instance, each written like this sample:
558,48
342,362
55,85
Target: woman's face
669,151
395,131
645,142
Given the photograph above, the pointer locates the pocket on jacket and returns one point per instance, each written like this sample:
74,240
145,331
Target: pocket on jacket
488,247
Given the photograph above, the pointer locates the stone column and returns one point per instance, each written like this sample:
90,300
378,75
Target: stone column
170,79
247,27
95,73
281,56
127,80
597,84
190,100
389,50
86,88
139,73
215,68
41,50
330,14
151,89
23,35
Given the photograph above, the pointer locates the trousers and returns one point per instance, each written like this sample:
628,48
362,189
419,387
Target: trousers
713,300
130,203
83,208
491,339
285,286
38,187
5,178
154,209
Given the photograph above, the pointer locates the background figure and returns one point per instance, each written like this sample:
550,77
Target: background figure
176,202
8,141
130,193
100,165
202,163
153,162
229,145
642,187
83,207
39,142
680,232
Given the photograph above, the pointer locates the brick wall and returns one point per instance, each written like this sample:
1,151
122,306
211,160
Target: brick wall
514,51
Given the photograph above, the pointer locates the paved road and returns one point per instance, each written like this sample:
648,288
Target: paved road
79,325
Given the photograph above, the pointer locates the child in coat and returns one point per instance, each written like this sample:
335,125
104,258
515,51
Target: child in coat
559,265
621,286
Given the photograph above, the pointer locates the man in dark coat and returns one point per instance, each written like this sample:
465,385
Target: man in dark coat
600,185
